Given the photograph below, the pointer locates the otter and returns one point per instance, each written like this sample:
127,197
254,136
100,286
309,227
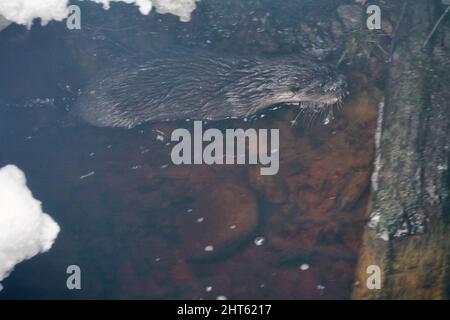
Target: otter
204,87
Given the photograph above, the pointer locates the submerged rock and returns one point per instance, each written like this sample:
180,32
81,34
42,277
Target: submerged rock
220,220
272,187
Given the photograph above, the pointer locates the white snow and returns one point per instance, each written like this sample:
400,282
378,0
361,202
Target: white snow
25,230
378,134
181,8
3,23
25,11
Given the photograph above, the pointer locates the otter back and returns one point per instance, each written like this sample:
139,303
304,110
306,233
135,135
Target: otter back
193,87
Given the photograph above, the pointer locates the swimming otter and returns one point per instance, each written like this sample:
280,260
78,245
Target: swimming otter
204,88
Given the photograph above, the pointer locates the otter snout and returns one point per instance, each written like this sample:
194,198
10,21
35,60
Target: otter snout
336,85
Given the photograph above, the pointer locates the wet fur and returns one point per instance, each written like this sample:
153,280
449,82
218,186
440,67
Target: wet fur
204,88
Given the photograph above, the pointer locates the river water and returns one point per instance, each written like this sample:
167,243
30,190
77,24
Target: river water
139,226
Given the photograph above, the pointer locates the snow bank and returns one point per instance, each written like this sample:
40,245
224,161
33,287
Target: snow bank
181,8
3,23
25,230
24,11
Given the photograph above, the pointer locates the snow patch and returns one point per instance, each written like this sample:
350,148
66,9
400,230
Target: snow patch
23,12
25,230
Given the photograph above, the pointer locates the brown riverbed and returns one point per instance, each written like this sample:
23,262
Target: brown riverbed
138,226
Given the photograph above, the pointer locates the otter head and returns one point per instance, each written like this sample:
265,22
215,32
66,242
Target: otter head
300,81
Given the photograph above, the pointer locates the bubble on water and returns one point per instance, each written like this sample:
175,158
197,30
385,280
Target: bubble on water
259,241
189,210
208,289
233,226
200,220
221,298
209,248
87,175
304,267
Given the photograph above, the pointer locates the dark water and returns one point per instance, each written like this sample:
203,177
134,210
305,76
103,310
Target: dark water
136,224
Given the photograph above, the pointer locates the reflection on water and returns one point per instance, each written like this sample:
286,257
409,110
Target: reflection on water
140,227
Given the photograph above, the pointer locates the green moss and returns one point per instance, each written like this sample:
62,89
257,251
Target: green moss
388,212
360,40
385,138
416,100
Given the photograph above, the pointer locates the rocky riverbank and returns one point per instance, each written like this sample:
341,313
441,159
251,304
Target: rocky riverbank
409,209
